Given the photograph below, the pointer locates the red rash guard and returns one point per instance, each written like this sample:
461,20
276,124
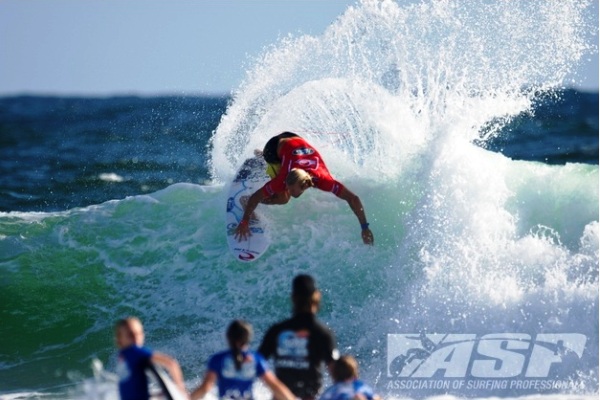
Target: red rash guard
298,153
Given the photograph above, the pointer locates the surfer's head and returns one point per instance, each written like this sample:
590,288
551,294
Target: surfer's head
305,295
344,368
239,335
129,331
297,181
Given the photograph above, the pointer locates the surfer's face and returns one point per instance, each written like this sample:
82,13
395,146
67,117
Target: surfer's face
123,338
297,189
126,336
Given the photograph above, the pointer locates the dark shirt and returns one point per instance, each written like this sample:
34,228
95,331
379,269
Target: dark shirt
299,346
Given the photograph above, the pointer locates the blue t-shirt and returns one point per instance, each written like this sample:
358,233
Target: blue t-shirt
133,382
347,390
234,384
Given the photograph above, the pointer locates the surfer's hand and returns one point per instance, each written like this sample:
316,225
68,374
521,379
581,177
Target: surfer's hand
367,236
242,232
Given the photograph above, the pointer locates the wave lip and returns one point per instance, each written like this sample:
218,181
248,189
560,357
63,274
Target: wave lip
468,241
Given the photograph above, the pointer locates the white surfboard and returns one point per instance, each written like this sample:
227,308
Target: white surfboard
250,177
161,385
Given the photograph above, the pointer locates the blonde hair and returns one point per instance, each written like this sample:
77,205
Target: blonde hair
298,175
344,368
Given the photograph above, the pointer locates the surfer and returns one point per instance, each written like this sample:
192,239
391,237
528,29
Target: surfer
301,344
347,386
294,166
134,358
235,370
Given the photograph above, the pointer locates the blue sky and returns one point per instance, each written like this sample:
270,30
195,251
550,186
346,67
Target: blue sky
85,47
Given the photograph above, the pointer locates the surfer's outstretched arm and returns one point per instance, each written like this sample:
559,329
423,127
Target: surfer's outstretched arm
210,379
357,207
172,366
242,232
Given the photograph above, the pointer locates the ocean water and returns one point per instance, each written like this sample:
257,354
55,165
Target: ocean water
477,168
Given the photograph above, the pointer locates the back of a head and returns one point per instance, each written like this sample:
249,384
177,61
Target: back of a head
344,368
305,294
239,334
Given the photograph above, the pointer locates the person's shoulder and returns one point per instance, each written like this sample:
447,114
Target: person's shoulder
337,391
259,360
363,388
256,355
218,357
136,351
221,354
359,384
320,325
329,393
326,339
279,326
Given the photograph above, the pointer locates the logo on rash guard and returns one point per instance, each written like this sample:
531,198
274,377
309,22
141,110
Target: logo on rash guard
303,151
293,344
307,163
247,370
292,350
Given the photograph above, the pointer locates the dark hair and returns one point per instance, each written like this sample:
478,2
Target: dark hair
303,285
239,334
305,293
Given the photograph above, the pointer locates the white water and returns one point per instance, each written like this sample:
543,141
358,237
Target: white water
467,241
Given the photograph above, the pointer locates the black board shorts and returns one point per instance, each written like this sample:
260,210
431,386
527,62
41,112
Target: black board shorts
270,150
